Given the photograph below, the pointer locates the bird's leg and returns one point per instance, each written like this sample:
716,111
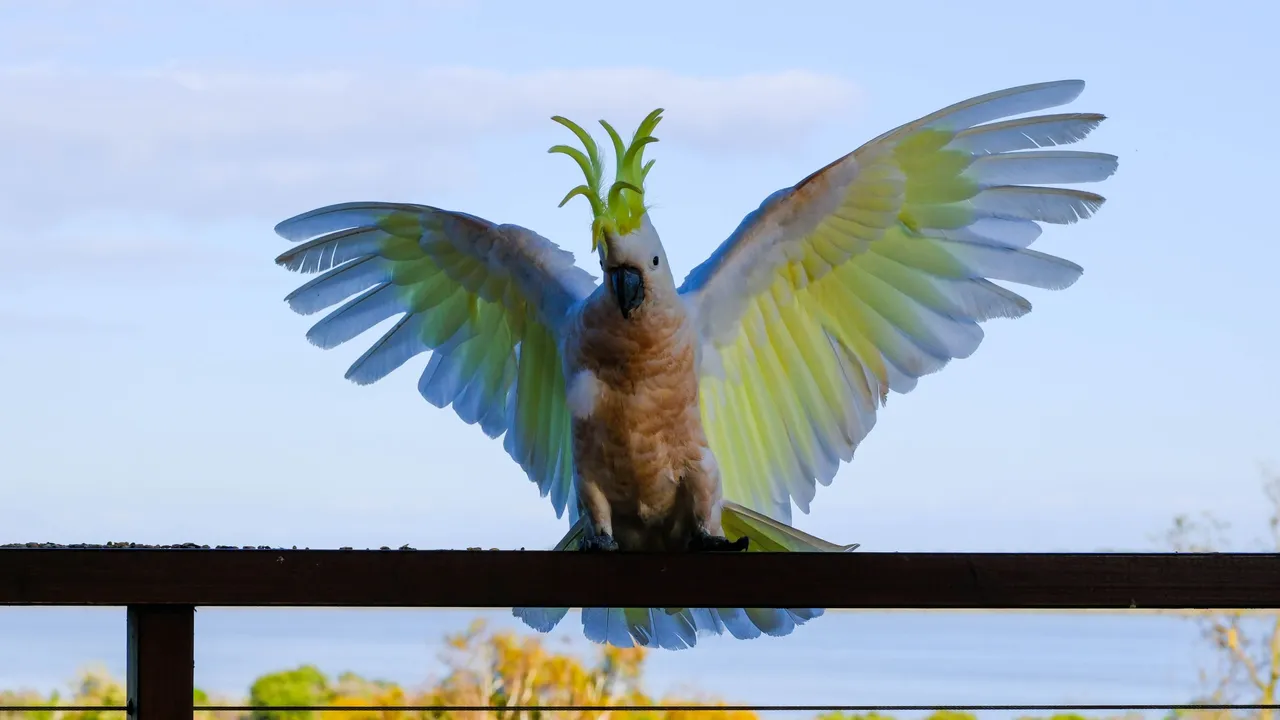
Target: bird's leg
599,537
703,484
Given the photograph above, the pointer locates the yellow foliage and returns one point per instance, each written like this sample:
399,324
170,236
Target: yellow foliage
91,687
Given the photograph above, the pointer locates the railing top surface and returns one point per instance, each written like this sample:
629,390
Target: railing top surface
462,578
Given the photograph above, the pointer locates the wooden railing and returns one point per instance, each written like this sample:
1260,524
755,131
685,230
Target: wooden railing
162,587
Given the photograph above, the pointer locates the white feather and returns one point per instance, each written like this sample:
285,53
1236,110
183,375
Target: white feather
1026,133
942,337
771,621
1003,103
543,620
332,249
675,631
606,625
441,379
1042,167
738,624
1051,205
706,621
339,284
342,216
356,316
982,299
1026,267
1006,232
583,391
393,349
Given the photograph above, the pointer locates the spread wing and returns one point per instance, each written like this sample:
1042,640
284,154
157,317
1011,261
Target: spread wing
488,301
873,272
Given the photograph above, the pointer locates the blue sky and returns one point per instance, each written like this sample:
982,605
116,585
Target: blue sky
155,388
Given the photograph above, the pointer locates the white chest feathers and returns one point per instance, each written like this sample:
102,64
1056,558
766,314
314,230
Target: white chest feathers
582,394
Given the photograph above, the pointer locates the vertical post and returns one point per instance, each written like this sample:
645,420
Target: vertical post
161,664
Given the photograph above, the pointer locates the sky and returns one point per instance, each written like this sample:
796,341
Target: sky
155,388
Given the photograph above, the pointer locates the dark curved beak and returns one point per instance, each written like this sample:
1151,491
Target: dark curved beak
628,288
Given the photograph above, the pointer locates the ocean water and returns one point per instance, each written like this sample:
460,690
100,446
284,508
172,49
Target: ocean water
900,657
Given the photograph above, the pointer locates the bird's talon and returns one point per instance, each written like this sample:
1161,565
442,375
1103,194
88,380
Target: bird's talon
706,542
599,543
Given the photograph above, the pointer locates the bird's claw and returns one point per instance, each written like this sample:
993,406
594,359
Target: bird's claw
598,543
703,541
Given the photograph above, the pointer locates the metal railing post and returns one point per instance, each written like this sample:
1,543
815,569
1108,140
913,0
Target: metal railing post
161,662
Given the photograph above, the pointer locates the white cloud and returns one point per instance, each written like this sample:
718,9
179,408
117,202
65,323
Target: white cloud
213,146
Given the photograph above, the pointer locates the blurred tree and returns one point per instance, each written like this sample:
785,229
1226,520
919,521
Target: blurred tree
351,689
96,687
1248,643
27,697
93,686
490,669
504,669
1077,716
304,685
1200,714
951,715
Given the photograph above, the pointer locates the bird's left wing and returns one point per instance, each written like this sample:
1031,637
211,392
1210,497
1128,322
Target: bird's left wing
487,300
873,272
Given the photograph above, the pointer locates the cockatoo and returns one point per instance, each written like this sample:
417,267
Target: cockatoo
692,417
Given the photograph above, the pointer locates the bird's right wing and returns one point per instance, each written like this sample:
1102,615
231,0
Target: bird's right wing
487,300
873,272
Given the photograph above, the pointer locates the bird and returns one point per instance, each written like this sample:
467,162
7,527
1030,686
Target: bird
693,417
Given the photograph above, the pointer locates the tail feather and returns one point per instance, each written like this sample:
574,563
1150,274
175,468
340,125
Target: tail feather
769,535
673,630
738,623
707,621
543,620
679,628
607,626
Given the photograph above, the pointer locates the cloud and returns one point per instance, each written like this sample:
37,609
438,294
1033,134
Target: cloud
202,146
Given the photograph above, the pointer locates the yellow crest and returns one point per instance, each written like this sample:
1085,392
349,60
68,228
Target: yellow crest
619,210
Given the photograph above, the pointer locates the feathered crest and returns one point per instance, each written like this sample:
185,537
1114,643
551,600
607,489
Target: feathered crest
618,210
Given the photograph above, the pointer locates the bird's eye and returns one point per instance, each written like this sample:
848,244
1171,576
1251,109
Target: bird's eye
655,261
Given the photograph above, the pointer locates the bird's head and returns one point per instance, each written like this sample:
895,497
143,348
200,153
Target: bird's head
631,254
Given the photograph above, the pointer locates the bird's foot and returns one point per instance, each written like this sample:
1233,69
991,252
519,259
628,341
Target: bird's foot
703,541
599,543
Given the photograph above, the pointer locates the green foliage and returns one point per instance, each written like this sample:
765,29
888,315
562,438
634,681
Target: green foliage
305,685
